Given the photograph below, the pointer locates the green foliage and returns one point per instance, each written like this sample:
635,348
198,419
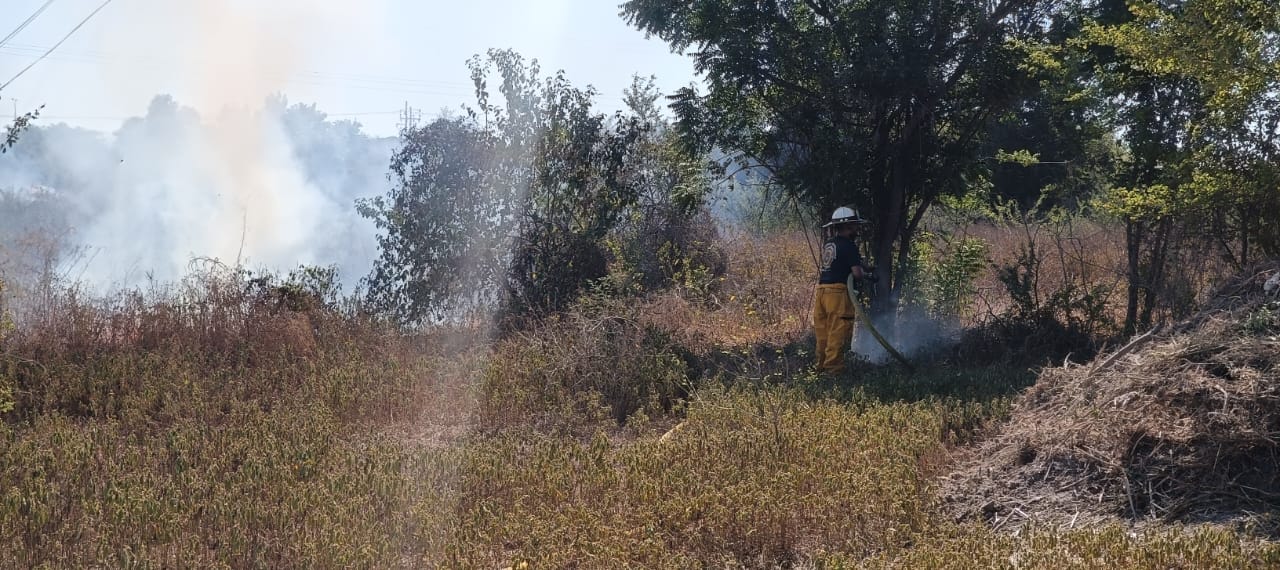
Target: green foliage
307,288
1193,88
513,205
1263,321
1067,149
752,204
1149,203
876,104
664,236
440,237
688,273
949,273
1021,157
1229,46
7,401
14,130
1048,319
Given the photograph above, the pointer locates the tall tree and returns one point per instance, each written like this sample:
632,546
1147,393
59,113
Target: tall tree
1196,84
1055,146
508,206
872,104
438,237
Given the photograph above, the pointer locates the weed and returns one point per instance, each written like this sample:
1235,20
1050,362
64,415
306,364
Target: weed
1263,320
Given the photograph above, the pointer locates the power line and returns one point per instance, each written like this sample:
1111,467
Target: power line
305,75
24,25
60,42
313,78
125,118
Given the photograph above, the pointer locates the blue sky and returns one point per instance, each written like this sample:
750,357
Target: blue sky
359,59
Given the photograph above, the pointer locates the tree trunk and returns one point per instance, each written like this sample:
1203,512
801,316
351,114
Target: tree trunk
1133,245
1156,272
1244,239
890,225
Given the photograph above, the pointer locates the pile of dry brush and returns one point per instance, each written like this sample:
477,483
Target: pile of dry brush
1181,425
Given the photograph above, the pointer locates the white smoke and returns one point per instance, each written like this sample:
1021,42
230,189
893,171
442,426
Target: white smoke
914,334
236,176
272,189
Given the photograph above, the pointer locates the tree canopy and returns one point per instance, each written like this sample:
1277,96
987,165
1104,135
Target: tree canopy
510,206
879,105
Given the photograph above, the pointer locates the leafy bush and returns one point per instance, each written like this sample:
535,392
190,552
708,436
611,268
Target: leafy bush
661,248
511,207
1263,320
945,272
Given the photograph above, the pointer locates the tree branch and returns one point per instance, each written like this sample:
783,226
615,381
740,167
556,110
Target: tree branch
980,36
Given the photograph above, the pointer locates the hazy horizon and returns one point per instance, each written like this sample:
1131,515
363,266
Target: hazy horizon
355,60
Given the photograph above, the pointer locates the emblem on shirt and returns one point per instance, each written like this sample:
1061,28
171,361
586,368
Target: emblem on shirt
828,256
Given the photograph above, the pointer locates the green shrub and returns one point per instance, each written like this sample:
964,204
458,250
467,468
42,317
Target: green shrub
945,274
1046,321
1264,320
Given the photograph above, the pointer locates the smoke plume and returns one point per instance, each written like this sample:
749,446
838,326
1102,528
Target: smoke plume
231,172
271,188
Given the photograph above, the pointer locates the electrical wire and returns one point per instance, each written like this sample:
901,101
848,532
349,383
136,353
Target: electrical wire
125,118
57,45
26,23
312,78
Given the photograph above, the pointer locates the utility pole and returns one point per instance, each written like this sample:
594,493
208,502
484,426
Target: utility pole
15,108
409,118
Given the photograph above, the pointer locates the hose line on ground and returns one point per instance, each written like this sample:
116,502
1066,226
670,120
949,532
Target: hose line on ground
866,321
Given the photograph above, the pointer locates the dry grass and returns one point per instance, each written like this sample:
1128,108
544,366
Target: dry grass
1080,254
765,297
225,425
583,370
1098,548
1181,428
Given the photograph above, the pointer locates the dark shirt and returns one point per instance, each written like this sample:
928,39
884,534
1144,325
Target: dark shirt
839,256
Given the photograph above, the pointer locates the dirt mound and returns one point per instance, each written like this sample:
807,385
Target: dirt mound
1181,425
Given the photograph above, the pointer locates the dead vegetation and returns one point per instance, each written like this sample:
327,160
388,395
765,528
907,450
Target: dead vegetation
1182,425
237,424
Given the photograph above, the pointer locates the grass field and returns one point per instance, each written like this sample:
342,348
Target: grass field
218,428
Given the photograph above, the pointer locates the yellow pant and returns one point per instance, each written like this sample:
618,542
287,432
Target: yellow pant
833,322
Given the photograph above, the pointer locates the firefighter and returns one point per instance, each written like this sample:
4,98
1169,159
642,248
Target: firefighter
833,312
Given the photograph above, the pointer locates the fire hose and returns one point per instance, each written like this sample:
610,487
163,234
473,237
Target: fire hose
861,312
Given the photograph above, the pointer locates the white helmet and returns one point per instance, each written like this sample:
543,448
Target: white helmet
845,216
